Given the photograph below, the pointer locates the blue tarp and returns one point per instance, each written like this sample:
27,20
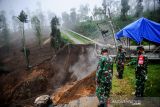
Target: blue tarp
141,29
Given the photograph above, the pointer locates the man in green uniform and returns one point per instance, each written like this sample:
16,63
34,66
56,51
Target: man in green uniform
120,59
140,71
104,77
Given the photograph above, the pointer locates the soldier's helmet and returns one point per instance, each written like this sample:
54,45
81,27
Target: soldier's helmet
119,46
104,49
140,48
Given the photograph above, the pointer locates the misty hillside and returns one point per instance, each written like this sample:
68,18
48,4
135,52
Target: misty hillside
49,51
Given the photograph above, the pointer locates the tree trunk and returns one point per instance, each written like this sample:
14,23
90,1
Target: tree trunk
24,47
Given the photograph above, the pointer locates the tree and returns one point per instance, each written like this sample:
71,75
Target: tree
14,22
55,34
4,30
84,10
104,7
28,12
50,15
23,19
73,16
124,9
66,19
40,15
97,13
37,27
139,8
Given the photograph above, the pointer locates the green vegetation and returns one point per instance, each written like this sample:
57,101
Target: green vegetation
55,34
78,37
23,18
119,24
144,42
153,15
125,86
152,84
128,83
87,28
66,39
37,29
93,26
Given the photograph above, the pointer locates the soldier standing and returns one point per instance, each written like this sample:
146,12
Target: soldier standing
120,59
140,71
104,77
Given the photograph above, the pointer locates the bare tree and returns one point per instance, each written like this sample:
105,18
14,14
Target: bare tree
139,8
37,27
98,13
66,19
73,16
4,30
124,9
23,19
84,10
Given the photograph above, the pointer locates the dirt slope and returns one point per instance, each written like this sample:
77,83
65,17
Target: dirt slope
71,93
75,90
20,86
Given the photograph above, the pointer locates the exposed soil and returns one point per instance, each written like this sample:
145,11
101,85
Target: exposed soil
86,87
66,76
75,90
20,86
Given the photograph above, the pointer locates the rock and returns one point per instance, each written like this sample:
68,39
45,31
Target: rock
43,101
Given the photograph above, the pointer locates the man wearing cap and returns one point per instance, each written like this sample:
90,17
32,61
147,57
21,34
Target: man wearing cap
104,77
140,71
120,59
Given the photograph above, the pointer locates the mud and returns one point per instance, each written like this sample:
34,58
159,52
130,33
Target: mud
20,87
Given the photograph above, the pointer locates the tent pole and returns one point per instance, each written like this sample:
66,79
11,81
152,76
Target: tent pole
149,46
129,46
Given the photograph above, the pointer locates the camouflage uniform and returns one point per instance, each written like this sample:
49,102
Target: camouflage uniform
140,72
120,59
104,78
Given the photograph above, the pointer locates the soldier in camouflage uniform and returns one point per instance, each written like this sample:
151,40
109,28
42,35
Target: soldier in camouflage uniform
140,71
120,59
104,77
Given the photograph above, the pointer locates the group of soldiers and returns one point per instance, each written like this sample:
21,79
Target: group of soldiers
104,73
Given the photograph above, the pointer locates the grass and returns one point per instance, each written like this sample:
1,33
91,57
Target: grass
126,86
79,37
66,38
153,82
152,86
122,87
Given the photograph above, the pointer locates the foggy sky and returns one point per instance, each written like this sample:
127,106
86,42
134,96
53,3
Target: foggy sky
56,6
13,7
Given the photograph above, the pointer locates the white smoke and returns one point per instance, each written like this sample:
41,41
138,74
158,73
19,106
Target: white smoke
86,64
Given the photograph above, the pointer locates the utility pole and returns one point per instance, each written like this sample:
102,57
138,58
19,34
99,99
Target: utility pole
112,27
